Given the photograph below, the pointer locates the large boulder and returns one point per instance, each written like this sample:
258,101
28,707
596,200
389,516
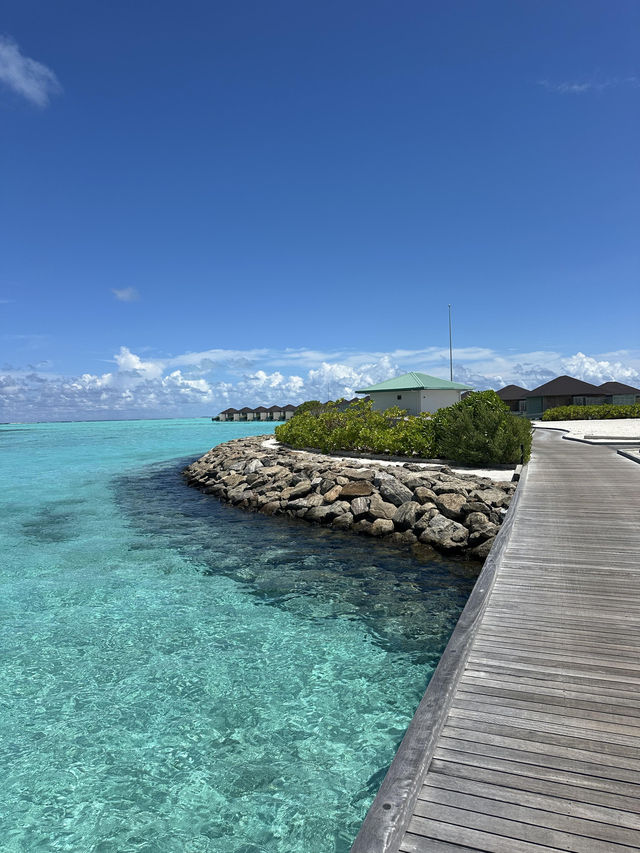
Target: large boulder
332,494
381,509
382,527
356,488
394,492
424,495
343,522
444,533
320,513
253,466
405,515
450,504
359,507
300,489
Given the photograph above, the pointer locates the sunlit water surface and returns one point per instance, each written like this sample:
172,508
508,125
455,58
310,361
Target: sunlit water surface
178,675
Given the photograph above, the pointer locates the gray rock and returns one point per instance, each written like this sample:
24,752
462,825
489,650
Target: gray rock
343,522
232,480
380,476
406,537
234,496
305,503
253,466
405,515
356,488
359,507
381,509
476,506
382,527
302,488
493,497
482,551
393,491
333,494
326,485
476,521
489,531
362,526
360,473
319,513
450,504
445,534
424,495
271,508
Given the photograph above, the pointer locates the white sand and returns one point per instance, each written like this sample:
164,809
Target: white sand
623,428
493,473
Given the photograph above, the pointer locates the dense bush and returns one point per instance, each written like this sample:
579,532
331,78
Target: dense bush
358,428
480,429
591,413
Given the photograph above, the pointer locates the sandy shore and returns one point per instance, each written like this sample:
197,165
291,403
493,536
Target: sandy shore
499,474
623,428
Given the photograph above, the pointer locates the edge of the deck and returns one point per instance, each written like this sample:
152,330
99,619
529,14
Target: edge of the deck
390,812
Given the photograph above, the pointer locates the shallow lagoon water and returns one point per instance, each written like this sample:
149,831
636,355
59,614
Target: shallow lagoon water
179,675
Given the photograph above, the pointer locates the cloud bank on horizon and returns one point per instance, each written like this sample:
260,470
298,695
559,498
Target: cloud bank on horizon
204,383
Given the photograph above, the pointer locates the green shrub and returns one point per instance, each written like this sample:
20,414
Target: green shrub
591,413
478,430
481,430
358,428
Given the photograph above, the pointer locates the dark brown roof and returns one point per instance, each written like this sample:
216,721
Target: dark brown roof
229,412
246,411
512,392
618,388
261,409
564,386
274,409
289,408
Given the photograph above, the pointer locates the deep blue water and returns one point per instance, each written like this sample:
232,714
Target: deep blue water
178,675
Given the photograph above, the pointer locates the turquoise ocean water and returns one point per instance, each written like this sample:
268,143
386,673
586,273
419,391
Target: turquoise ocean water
177,675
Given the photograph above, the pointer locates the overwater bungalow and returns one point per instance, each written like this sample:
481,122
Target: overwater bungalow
289,411
247,414
276,413
261,413
227,415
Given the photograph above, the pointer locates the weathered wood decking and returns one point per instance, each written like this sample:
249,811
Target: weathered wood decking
528,737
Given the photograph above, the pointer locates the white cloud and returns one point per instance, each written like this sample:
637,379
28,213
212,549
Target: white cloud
127,294
595,85
203,383
31,79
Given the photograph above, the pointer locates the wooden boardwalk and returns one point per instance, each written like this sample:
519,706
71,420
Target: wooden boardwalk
530,739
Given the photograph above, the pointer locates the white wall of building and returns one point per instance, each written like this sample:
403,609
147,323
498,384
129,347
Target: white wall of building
414,402
383,400
431,401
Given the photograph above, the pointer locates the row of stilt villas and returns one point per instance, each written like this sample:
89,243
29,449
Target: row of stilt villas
262,413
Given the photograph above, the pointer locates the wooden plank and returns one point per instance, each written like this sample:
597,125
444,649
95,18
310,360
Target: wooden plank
547,801
538,780
529,764
543,816
513,830
432,831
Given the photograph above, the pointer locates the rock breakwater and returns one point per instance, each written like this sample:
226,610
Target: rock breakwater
404,504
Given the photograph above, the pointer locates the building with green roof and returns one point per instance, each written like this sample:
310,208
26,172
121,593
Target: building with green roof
415,392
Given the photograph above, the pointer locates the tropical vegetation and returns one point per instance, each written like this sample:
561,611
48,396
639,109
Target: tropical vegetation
477,430
606,411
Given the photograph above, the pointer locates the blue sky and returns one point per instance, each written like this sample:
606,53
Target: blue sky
207,204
